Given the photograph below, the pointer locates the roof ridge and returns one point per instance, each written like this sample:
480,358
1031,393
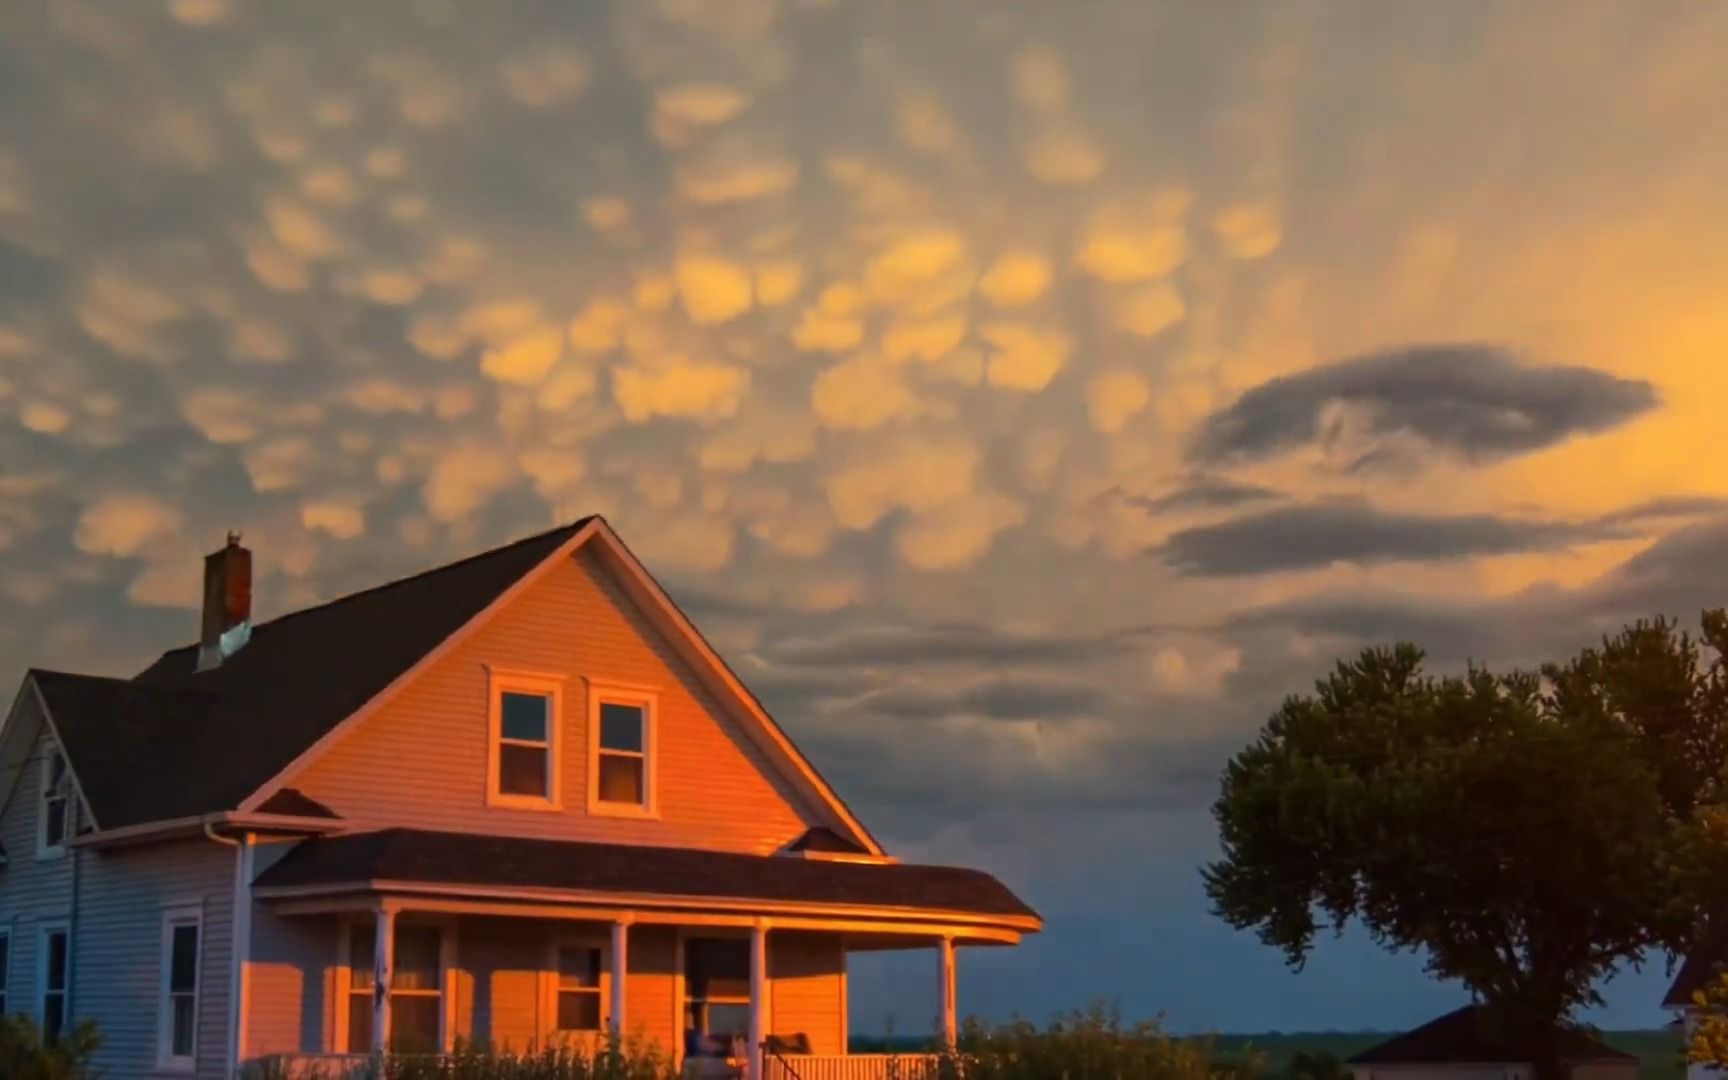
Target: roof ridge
570,527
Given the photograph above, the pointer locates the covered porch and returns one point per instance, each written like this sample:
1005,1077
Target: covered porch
746,986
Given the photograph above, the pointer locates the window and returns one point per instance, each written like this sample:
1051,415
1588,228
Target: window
55,960
177,1030
416,990
523,766
621,774
717,985
56,803
578,988
5,970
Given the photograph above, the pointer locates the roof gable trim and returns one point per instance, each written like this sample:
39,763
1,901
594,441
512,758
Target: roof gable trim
679,627
88,814
642,586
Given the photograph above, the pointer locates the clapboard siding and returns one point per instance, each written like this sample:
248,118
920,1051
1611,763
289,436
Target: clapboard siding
421,760
501,962
32,891
291,977
650,995
808,990
122,900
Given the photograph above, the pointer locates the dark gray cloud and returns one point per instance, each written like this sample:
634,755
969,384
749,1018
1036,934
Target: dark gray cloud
1307,537
1667,509
1204,493
1000,699
1677,577
954,643
1473,400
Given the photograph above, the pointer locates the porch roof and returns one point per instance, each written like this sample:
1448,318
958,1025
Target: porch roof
418,857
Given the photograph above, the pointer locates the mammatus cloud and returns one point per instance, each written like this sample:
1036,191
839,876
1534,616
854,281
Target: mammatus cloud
1310,537
1475,401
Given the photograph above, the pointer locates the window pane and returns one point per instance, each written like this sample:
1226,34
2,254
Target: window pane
361,958
183,975
621,727
525,716
416,958
183,1026
522,770
53,1016
56,771
55,831
578,968
728,1020
621,779
57,961
414,1023
579,1010
359,1023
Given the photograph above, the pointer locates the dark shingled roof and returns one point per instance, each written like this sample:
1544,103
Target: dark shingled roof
822,838
292,802
457,859
208,740
1462,1037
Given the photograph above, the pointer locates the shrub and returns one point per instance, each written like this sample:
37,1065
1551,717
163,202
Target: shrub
1092,1044
25,1056
630,1059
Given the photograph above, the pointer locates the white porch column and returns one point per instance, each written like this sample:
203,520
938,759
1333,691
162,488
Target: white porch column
383,962
620,966
758,997
948,986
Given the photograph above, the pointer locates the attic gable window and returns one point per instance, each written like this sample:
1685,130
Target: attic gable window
523,741
621,750
55,818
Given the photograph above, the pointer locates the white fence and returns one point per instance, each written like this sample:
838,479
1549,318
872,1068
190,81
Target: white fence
851,1067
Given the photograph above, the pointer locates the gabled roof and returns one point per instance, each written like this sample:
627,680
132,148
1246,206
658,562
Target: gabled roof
1465,1037
174,742
503,862
825,840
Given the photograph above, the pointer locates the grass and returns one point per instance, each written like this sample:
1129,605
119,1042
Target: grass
1658,1050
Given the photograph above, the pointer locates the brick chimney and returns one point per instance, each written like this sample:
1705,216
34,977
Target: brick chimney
227,603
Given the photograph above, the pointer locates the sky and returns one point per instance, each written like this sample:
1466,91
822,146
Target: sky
1024,396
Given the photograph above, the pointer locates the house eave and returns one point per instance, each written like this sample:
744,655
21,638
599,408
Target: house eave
745,909
233,820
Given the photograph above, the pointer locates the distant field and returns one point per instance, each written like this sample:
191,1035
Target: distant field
1659,1050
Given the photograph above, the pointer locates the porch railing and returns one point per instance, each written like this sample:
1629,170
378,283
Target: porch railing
851,1067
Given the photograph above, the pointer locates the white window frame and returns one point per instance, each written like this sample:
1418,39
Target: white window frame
6,971
501,681
174,918
43,932
448,945
599,943
51,752
648,700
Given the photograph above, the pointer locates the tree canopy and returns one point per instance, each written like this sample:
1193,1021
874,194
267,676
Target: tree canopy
1530,832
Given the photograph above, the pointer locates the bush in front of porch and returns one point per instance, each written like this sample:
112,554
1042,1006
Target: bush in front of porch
628,1059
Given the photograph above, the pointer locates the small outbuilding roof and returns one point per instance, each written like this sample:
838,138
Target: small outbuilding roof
1465,1036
